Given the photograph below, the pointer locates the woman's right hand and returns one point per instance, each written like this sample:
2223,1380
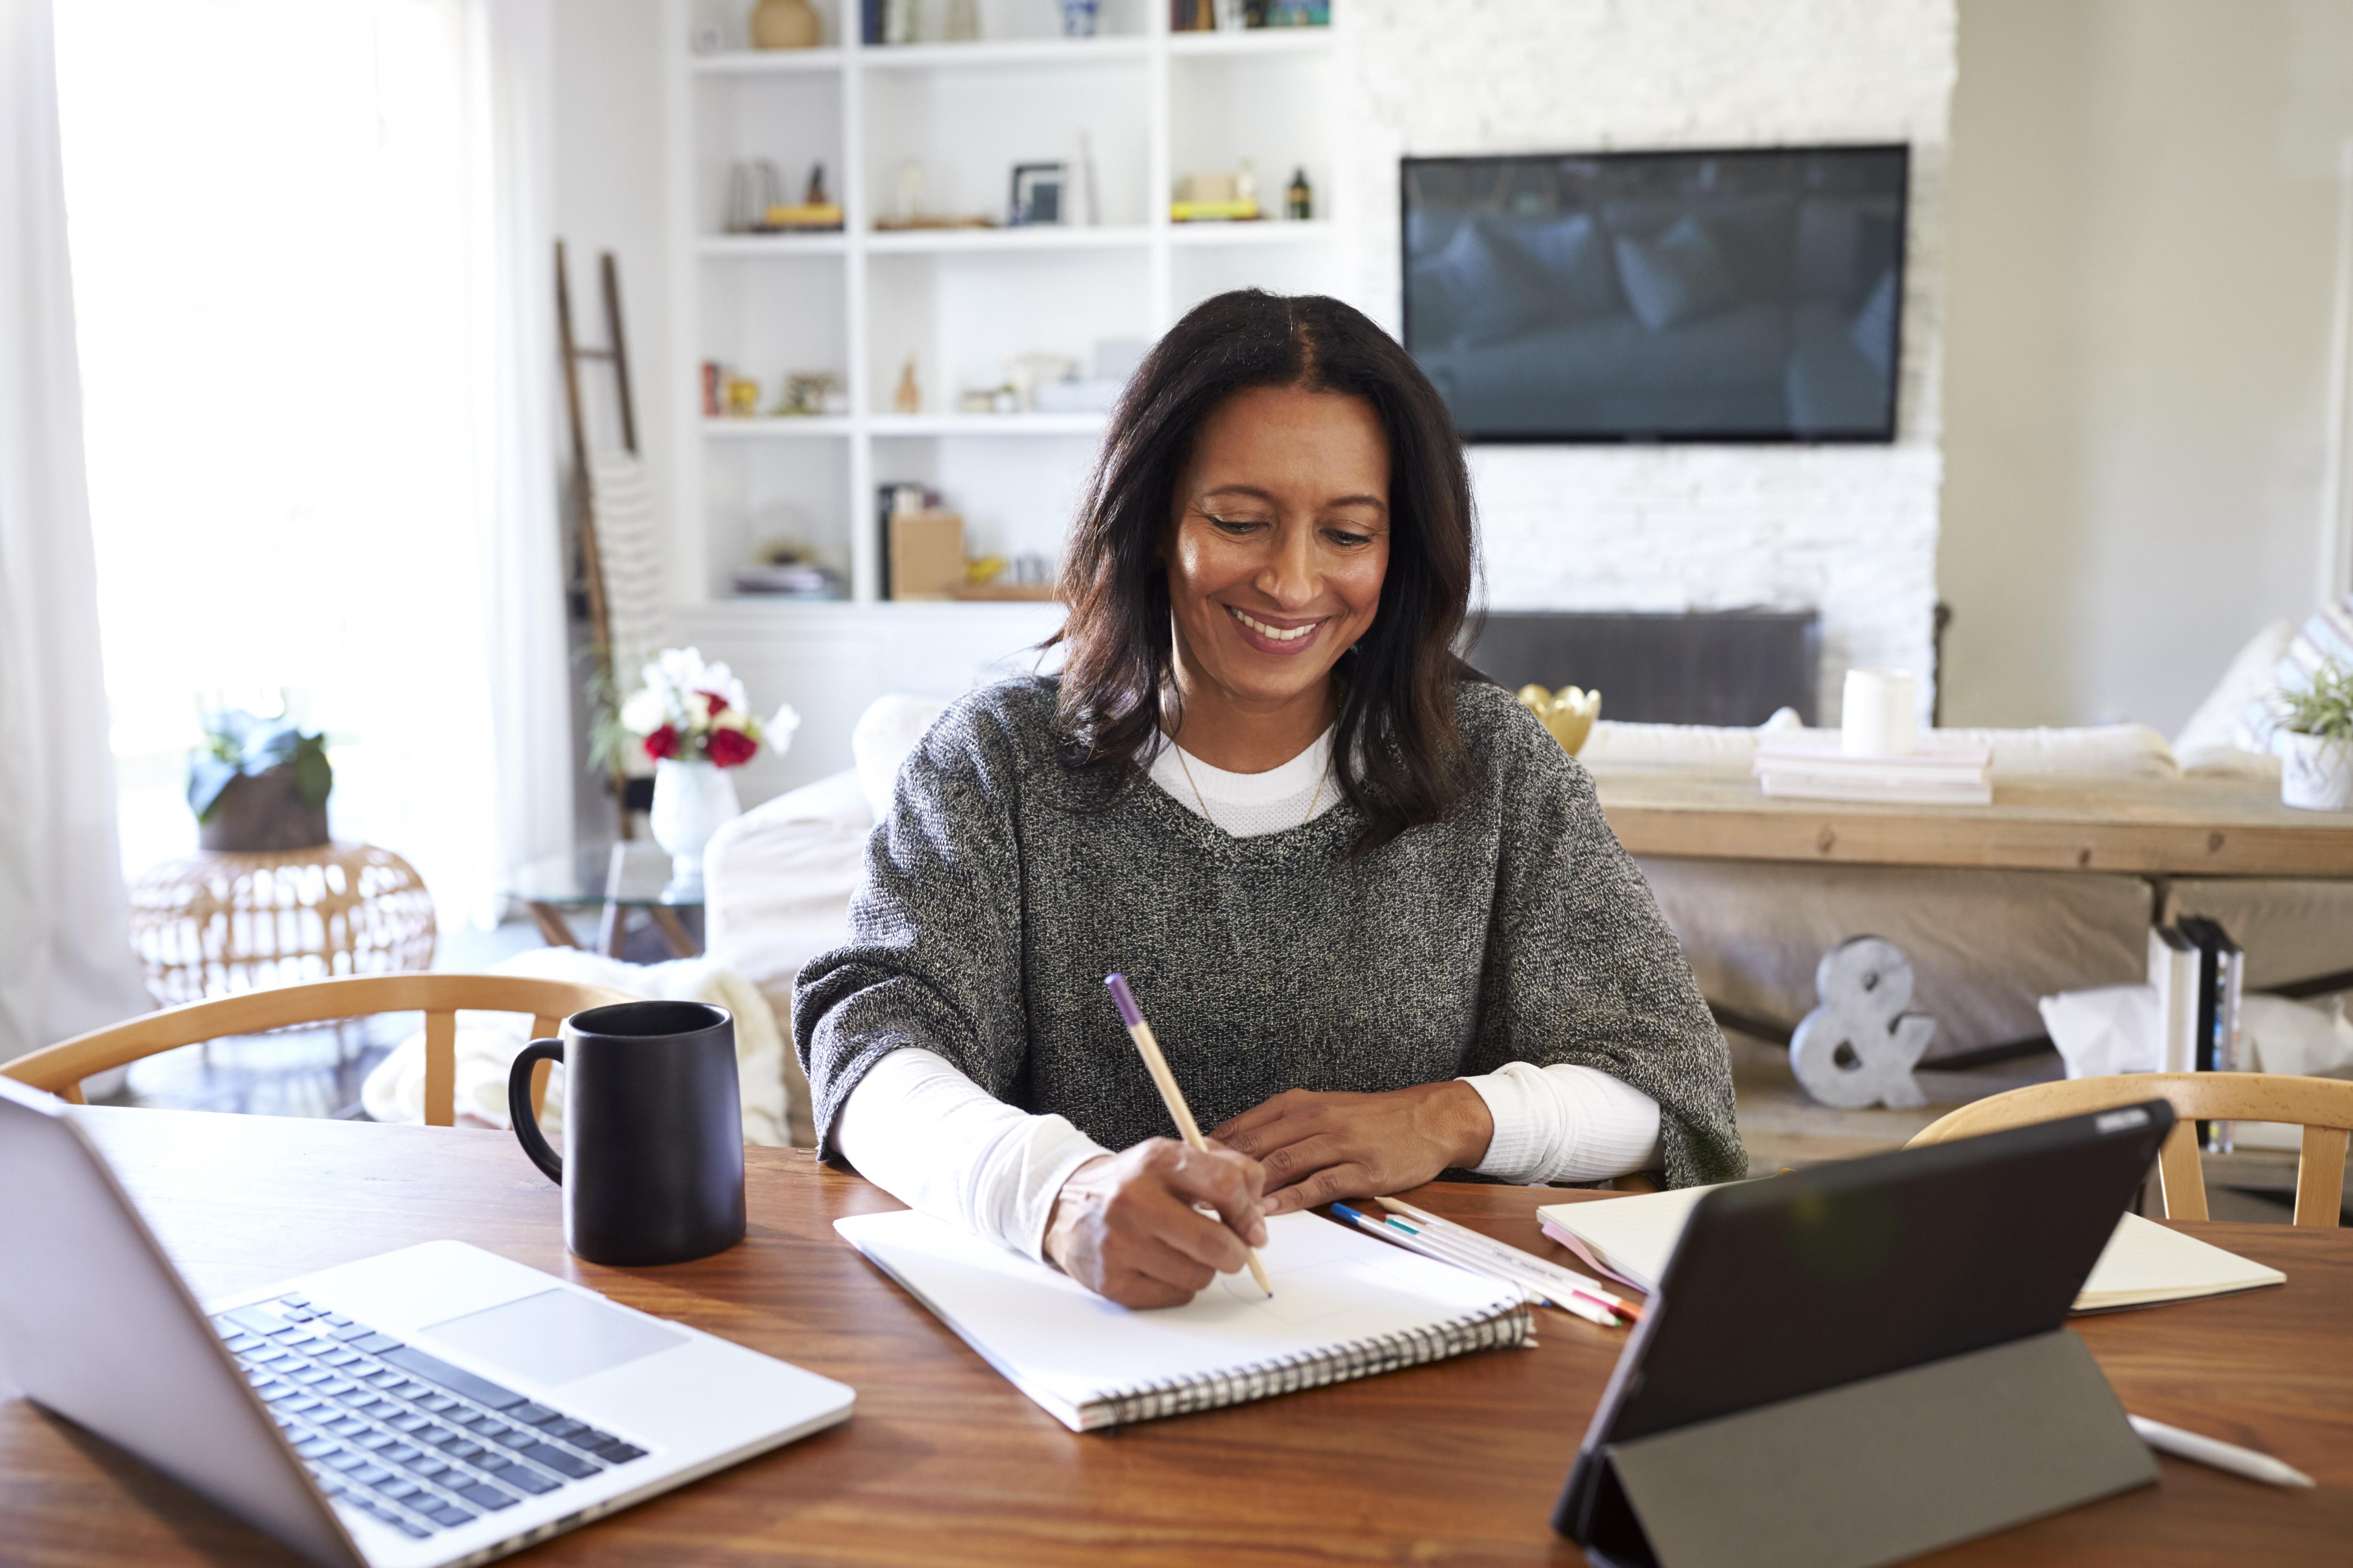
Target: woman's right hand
1125,1226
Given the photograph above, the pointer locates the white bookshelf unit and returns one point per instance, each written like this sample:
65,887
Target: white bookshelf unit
1154,105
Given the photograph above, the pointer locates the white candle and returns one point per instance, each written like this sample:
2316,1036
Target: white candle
1881,715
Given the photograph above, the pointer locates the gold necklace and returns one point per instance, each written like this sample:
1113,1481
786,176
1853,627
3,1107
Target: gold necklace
1325,778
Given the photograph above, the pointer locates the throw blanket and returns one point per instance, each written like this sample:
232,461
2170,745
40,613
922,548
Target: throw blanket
488,1044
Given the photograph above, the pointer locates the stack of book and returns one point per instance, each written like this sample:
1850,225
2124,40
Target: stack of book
1939,770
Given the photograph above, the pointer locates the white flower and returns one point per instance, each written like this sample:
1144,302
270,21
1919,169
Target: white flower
779,729
682,667
697,709
720,682
733,719
645,712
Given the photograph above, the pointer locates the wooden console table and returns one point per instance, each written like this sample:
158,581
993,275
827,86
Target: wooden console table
2180,827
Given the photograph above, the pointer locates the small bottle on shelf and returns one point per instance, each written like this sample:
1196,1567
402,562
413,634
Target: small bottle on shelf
1300,204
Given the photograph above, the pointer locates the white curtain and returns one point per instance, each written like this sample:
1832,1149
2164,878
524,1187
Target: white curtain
466,765
510,108
321,416
65,952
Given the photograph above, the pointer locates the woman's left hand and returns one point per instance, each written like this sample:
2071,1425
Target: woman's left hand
1318,1148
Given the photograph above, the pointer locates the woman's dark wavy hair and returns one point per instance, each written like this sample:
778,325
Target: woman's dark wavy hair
1398,756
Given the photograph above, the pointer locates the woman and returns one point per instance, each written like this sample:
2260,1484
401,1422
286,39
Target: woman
1371,906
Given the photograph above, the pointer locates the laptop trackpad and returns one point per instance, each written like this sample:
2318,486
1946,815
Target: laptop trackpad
556,1336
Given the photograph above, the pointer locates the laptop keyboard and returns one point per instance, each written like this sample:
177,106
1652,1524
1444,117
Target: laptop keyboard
399,1435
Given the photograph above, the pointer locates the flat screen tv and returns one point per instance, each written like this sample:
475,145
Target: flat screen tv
1746,295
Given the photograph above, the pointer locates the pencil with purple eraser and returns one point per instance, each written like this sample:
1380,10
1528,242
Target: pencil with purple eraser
1166,1082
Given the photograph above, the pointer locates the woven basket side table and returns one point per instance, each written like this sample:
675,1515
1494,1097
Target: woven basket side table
224,922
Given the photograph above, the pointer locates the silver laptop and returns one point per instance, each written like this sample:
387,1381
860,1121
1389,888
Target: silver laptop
433,1405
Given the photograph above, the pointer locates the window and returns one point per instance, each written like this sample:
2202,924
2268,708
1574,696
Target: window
286,323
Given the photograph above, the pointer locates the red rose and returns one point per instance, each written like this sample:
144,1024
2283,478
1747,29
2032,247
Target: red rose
718,703
730,748
662,743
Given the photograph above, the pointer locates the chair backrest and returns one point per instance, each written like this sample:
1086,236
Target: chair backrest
2322,1107
60,1068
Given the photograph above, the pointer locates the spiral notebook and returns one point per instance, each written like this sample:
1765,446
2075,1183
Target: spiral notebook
1344,1306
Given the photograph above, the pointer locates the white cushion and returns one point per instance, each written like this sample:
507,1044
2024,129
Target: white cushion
1688,745
2230,762
2326,638
2108,750
886,734
778,882
2105,750
2220,721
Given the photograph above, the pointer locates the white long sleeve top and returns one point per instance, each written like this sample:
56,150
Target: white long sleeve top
931,1137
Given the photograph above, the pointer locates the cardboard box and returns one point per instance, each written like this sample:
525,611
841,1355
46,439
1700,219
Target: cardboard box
926,554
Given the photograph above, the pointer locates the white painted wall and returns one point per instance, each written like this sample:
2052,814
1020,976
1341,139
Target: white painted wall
2144,262
610,196
1849,529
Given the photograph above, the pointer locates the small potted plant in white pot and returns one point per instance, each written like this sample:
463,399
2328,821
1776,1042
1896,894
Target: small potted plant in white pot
2315,742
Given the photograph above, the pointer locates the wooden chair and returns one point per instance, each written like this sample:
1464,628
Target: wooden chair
60,1068
2322,1107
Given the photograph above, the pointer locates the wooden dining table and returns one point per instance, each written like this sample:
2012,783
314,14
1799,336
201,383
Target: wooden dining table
943,1462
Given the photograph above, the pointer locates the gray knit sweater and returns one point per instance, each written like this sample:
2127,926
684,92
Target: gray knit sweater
1517,929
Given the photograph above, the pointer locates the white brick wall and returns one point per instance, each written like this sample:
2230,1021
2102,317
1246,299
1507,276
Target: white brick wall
1850,531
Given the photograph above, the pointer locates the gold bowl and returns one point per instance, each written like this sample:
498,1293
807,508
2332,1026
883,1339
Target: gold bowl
1569,714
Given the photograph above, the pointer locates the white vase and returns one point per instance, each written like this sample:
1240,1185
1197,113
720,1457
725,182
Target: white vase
692,800
2315,771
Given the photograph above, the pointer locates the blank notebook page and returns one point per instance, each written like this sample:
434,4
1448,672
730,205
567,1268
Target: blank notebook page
2143,1264
1344,1306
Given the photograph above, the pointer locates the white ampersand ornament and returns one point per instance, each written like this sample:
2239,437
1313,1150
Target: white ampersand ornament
1859,1048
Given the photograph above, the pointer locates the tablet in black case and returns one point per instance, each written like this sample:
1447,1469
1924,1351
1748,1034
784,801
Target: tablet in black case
1861,1361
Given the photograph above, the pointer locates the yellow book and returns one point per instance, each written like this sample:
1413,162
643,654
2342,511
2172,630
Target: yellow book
1200,212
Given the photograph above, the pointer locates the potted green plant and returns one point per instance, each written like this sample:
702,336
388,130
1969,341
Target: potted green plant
259,784
2316,742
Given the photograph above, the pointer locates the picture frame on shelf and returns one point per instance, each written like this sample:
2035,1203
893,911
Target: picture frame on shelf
1037,193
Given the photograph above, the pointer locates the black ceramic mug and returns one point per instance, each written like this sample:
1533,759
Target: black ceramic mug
653,1170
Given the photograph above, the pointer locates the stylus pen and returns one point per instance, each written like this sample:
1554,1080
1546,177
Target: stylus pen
2215,1452
1166,1082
